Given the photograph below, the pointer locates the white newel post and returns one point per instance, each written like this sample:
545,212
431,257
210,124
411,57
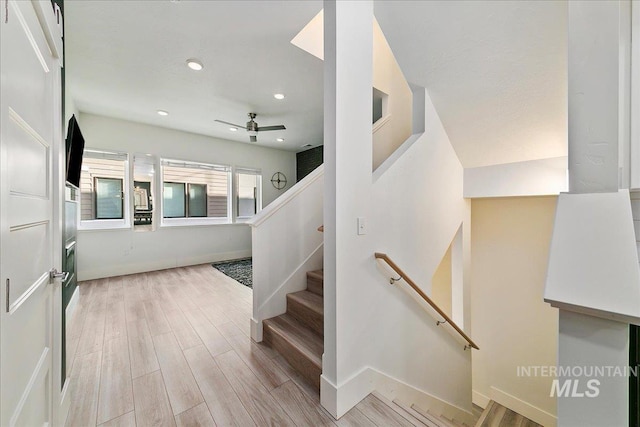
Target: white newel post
348,79
593,275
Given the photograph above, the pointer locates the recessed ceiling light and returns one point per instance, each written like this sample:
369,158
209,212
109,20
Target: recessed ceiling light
280,139
306,145
163,113
233,129
194,64
278,95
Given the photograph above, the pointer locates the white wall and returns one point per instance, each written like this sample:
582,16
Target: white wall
388,77
413,206
541,177
112,252
510,240
286,245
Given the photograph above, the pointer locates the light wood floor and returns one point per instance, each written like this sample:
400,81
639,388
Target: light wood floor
172,348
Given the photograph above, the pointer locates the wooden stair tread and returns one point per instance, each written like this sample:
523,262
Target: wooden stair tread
315,282
313,302
299,336
431,417
318,273
409,410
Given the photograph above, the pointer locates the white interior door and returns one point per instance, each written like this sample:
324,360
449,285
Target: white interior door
27,226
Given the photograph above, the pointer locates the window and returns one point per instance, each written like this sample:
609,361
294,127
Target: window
103,180
195,193
108,197
248,192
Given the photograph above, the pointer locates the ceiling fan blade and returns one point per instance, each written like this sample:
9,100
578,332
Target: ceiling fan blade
231,124
278,127
253,138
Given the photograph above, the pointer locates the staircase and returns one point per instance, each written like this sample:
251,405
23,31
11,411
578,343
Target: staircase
298,335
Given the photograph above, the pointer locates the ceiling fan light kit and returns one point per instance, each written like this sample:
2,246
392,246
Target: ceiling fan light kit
252,127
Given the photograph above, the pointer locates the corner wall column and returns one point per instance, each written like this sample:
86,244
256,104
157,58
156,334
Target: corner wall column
348,82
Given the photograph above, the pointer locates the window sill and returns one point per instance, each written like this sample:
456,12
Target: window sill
102,225
191,222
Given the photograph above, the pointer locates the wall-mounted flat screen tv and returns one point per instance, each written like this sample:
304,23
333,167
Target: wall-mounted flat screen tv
75,149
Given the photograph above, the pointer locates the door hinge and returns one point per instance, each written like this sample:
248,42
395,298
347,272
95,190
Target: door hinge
7,296
6,11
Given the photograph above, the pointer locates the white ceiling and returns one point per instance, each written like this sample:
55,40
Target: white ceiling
495,70
126,59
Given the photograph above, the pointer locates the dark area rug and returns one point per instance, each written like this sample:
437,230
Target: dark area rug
239,270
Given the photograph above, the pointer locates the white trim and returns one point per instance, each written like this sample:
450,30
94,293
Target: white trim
338,400
41,368
523,408
124,269
256,330
70,311
635,95
480,399
285,198
386,165
309,264
51,23
193,221
380,123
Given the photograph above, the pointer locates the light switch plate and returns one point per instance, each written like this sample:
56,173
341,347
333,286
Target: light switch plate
362,226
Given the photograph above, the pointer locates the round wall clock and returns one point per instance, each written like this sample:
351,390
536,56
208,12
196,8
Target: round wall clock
278,180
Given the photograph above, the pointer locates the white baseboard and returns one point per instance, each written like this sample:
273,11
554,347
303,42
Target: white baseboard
256,330
339,400
124,269
329,396
480,399
520,406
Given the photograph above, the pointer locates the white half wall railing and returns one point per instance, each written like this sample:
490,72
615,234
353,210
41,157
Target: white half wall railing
286,245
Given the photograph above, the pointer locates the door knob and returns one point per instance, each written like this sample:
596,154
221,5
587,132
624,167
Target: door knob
55,274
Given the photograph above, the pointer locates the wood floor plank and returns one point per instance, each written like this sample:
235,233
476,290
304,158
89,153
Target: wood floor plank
92,335
84,397
134,309
184,332
381,414
181,386
141,350
196,316
262,407
226,408
302,410
215,315
158,323
151,401
198,416
354,418
262,366
126,420
495,418
115,320
211,338
116,393
301,382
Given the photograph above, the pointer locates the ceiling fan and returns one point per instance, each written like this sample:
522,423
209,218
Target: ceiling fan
252,127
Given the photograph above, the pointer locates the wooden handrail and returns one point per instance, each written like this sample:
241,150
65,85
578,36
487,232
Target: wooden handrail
424,296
